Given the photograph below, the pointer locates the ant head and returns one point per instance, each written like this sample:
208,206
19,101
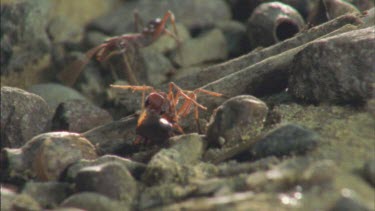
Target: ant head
152,26
156,101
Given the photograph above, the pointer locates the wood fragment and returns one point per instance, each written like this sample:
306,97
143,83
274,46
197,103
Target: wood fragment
270,73
212,73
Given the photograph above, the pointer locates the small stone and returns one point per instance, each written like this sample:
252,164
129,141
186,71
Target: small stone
23,116
190,146
54,93
47,194
110,179
336,8
25,55
93,202
296,171
167,43
62,30
285,140
136,169
172,164
47,155
14,201
369,171
79,116
235,35
157,66
211,46
164,194
338,69
236,120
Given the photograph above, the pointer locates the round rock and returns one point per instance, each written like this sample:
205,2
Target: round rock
47,155
79,116
54,93
237,119
23,116
93,201
338,69
111,179
285,140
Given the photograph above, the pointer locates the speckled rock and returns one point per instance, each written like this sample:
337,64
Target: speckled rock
110,179
24,42
369,171
14,201
201,13
54,93
23,115
242,9
167,43
171,165
236,120
62,30
47,194
136,169
157,66
285,140
79,116
235,35
94,202
211,46
336,8
46,156
164,194
301,171
338,69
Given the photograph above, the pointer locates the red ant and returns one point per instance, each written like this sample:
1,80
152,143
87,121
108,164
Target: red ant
118,45
160,114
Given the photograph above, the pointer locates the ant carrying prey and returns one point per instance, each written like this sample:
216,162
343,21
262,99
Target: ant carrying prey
160,114
120,44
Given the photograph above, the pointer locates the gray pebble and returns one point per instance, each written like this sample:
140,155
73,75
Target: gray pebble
23,116
285,140
79,116
237,119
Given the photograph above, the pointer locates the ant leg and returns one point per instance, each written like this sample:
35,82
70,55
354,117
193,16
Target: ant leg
173,35
161,27
173,99
70,74
113,71
215,94
181,92
185,108
178,128
133,88
138,22
129,71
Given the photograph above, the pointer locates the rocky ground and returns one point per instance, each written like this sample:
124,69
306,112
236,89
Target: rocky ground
291,128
